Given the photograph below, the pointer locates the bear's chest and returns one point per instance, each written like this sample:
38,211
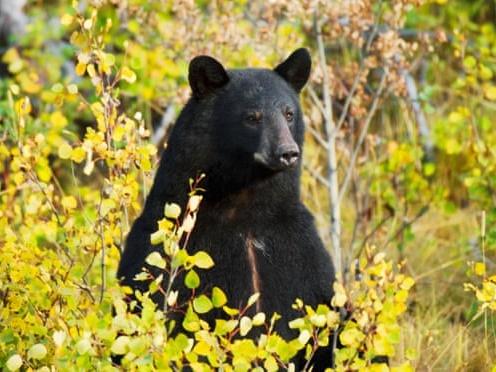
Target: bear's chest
249,258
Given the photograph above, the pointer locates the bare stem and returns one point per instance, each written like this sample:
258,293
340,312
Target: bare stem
330,129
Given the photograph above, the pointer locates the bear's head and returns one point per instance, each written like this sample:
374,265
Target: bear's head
255,114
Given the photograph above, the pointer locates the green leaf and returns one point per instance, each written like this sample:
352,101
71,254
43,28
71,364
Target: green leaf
202,304
224,326
219,298
230,311
202,260
180,258
469,62
192,280
156,259
191,321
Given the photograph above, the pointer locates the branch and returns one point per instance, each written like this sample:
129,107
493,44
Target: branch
330,129
423,126
315,174
165,123
362,136
370,38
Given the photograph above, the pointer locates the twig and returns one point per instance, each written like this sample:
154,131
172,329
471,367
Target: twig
370,234
102,262
408,223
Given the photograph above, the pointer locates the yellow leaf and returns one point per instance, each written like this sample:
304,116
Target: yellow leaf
57,88
29,82
66,20
253,298
14,362
16,66
351,337
245,325
65,151
120,345
89,166
91,70
58,120
157,237
14,88
259,319
87,24
72,89
80,69
155,259
44,172
194,202
119,133
405,367
407,283
78,154
202,260
69,202
23,106
37,351
128,75
10,55
490,92
59,337
340,297
107,206
304,337
480,268
172,210
189,223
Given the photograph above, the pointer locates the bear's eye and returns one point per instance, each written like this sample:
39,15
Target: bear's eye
254,117
289,115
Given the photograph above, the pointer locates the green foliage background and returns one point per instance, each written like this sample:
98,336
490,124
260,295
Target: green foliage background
87,82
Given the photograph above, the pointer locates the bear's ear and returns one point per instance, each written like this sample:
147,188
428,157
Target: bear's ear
206,74
296,68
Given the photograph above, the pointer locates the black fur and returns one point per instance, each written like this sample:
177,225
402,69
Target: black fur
232,116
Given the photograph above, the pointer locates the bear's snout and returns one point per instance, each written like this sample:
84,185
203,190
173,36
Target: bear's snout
287,155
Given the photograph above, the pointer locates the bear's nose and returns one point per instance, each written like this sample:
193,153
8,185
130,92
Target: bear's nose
288,155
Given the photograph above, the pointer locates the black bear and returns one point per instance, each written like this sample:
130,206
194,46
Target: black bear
244,130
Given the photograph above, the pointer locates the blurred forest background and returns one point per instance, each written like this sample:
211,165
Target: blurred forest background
400,155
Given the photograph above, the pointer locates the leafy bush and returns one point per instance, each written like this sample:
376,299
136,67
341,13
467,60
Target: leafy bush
85,89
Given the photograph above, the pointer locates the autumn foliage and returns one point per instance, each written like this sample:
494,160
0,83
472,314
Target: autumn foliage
400,156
